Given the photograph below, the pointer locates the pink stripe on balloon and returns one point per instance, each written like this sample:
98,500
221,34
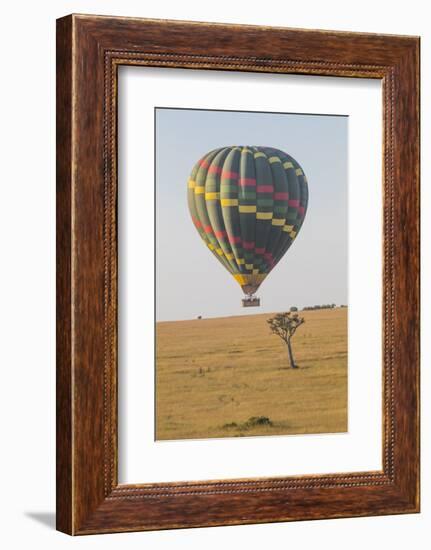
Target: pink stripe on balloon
213,169
259,250
230,175
248,245
294,202
265,188
234,240
220,234
247,182
281,196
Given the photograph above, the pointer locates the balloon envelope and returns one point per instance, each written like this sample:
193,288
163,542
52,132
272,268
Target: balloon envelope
248,205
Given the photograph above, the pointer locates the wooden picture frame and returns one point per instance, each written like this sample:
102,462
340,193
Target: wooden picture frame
89,51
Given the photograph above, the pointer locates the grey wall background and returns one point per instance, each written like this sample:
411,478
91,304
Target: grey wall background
189,280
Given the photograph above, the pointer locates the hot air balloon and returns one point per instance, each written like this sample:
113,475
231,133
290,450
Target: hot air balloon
248,205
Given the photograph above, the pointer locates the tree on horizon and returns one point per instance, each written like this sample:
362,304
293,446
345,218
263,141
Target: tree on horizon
285,325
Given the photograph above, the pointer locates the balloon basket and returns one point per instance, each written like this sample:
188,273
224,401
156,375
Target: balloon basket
251,301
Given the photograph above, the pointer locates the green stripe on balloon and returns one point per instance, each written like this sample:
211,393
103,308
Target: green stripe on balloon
248,204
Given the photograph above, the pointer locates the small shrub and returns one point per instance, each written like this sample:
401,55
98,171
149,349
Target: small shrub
230,425
258,421
252,422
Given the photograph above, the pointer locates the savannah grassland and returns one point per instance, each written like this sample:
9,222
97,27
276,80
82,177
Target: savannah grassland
230,377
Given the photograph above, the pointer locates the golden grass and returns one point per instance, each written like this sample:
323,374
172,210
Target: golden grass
213,375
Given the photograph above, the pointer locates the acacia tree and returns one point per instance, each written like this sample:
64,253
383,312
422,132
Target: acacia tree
285,325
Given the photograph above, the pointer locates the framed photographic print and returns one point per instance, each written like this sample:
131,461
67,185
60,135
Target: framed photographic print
237,274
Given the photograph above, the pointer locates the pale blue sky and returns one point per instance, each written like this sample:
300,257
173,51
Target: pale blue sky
189,280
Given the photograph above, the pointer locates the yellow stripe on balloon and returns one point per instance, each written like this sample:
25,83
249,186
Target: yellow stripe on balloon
255,278
258,155
249,266
288,228
255,271
240,261
229,256
264,216
299,172
229,202
199,189
211,246
278,221
247,209
219,251
241,279
212,196
192,184
287,165
274,159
